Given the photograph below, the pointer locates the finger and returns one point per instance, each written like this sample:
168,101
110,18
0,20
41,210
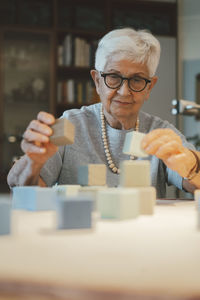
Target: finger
46,118
169,149
153,147
40,127
32,148
157,133
36,137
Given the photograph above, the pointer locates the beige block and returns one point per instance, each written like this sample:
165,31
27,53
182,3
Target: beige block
132,144
135,173
147,200
92,175
118,203
67,189
63,132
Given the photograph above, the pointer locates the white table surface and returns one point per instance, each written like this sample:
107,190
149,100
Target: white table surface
154,254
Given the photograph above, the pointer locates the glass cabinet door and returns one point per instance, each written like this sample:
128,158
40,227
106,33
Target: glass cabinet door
26,86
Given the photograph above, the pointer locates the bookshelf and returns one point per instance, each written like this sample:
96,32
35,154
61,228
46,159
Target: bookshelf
47,50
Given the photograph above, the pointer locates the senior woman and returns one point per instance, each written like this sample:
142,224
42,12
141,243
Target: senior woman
124,75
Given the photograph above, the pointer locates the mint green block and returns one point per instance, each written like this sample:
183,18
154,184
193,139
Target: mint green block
118,203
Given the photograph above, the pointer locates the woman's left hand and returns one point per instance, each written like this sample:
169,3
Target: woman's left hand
167,146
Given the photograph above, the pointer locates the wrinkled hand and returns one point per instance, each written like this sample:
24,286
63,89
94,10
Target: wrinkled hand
36,142
167,146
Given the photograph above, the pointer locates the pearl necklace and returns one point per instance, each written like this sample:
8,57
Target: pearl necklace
110,162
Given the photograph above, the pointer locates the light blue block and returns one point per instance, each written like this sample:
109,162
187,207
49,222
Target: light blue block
5,216
34,198
74,212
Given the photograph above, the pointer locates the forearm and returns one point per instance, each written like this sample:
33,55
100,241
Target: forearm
25,172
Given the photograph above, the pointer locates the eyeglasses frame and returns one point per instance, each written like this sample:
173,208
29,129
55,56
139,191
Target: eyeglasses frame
122,80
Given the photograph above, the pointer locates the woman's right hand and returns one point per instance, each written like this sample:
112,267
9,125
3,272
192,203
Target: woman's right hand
36,144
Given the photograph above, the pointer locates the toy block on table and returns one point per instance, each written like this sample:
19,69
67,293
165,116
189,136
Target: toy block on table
197,205
74,212
92,174
5,216
34,198
118,203
132,144
197,199
92,191
67,189
147,200
63,132
135,173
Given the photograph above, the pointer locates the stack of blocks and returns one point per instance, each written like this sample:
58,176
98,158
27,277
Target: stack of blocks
135,195
5,216
136,174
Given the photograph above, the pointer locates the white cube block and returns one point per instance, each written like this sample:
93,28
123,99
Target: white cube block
34,198
147,200
118,203
135,173
92,174
132,144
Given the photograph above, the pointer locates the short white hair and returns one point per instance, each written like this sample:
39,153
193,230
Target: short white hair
138,46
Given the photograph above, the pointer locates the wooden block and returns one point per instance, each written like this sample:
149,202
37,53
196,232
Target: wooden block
135,173
92,174
132,144
74,212
63,132
147,200
5,216
34,198
118,203
67,189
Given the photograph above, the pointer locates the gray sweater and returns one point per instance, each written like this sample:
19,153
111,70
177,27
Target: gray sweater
88,149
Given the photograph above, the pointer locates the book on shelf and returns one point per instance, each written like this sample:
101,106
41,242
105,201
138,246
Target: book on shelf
76,51
70,91
73,91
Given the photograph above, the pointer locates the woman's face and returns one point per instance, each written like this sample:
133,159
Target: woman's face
122,102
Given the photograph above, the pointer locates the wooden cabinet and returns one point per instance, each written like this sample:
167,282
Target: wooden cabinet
47,50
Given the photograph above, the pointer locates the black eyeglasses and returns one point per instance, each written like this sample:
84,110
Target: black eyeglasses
135,83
